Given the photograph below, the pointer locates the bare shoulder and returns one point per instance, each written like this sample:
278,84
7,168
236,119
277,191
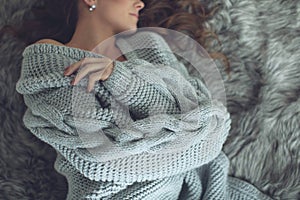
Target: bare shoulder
49,41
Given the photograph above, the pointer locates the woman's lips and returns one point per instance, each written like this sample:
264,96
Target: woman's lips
136,15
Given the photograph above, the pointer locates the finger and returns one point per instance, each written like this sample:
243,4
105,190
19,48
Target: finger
88,61
95,67
100,75
107,72
93,78
72,68
82,63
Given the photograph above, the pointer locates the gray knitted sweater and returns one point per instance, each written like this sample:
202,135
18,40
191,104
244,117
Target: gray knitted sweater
139,135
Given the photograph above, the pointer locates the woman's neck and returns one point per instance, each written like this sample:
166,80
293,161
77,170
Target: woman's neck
90,36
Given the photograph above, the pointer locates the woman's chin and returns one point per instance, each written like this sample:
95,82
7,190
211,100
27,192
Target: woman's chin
129,31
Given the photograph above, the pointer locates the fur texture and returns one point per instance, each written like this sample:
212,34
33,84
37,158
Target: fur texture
261,40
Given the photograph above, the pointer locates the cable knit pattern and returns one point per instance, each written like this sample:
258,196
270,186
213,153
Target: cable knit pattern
137,136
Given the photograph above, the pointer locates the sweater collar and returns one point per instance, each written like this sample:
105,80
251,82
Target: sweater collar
75,53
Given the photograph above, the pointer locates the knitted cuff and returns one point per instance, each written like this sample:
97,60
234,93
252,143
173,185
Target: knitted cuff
119,80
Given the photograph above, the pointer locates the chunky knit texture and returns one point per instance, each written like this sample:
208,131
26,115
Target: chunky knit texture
137,136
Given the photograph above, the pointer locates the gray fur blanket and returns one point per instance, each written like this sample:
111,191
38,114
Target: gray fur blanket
261,40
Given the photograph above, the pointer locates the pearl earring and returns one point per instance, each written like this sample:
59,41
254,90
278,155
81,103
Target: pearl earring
92,8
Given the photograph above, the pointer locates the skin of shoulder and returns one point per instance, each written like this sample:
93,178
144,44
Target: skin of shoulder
49,41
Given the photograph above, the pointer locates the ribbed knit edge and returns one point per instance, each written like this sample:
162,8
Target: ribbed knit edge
71,52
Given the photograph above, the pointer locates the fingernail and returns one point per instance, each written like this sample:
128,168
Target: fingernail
72,82
66,72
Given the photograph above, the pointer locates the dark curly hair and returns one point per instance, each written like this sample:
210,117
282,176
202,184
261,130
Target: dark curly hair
56,19
187,16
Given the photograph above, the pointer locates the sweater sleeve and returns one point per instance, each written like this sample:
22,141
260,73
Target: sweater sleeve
148,88
144,93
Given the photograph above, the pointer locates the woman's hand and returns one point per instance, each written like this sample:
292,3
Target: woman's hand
95,68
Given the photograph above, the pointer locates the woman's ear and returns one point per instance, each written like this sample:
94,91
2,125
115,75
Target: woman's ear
90,2
87,5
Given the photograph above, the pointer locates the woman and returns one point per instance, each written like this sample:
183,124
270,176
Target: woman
156,150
